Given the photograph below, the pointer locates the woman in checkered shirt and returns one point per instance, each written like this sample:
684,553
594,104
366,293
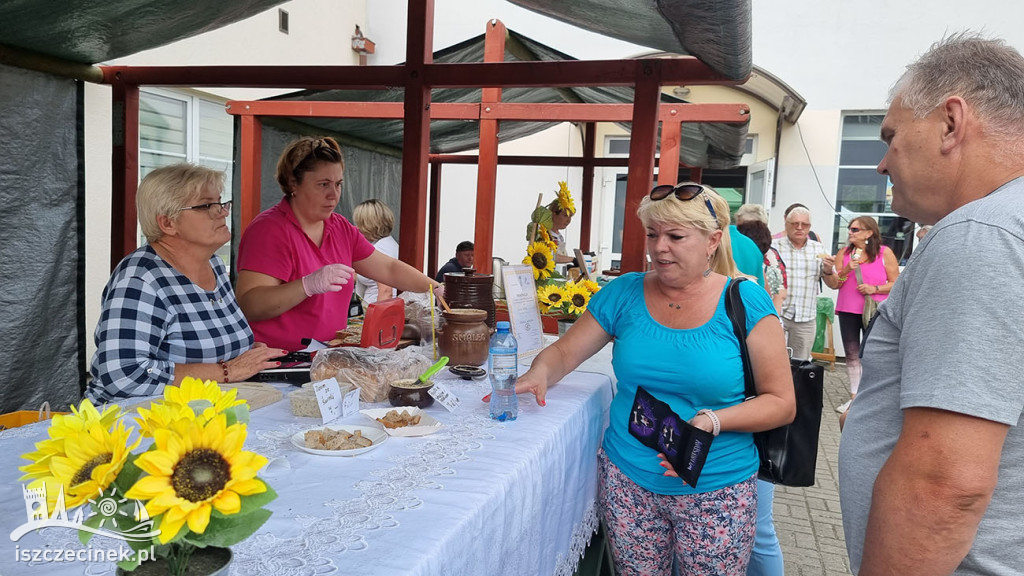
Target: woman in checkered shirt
168,309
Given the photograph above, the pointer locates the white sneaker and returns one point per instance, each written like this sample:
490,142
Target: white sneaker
844,406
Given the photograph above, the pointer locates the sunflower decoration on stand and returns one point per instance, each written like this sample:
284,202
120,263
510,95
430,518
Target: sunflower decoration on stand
196,483
555,296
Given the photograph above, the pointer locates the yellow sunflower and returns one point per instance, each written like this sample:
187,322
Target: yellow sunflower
542,231
590,285
64,426
164,415
551,296
539,256
192,471
89,463
565,203
202,397
577,299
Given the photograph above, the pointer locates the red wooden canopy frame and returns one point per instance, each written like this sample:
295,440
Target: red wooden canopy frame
418,76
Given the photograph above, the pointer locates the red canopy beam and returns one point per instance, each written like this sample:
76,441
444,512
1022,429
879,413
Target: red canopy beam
533,160
641,167
487,167
124,171
416,136
587,193
685,70
736,113
250,157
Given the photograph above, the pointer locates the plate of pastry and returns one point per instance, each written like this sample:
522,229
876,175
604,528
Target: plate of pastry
341,440
403,420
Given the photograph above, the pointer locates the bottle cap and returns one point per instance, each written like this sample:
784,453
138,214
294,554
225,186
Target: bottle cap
503,325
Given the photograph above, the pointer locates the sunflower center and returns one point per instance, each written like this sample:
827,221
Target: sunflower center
84,473
540,261
555,298
578,300
200,475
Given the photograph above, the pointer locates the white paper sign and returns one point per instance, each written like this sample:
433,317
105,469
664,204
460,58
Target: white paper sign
523,310
350,403
443,394
328,396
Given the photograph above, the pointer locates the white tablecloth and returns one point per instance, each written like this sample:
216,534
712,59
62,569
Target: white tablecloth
477,497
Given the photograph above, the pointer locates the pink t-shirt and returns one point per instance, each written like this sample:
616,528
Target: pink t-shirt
873,273
274,244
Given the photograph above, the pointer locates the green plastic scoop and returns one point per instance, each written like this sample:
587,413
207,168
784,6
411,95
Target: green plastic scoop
433,369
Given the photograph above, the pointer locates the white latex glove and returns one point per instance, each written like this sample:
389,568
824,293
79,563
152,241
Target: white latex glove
330,278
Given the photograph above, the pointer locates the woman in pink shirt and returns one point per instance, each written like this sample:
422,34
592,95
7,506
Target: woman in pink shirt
297,259
879,270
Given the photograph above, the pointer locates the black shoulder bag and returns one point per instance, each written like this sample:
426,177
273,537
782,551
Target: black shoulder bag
788,453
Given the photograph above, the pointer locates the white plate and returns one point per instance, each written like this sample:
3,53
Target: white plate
374,433
428,424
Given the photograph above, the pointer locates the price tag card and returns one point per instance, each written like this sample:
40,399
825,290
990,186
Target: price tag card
523,310
328,396
350,403
443,394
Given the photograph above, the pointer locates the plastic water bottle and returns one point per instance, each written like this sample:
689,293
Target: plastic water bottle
504,371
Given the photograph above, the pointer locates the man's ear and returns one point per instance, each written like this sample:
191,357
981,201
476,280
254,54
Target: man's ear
955,113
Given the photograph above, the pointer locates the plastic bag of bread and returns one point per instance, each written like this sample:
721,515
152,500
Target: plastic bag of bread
370,369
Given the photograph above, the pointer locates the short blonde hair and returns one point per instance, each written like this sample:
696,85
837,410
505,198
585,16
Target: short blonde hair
166,190
694,214
374,219
751,213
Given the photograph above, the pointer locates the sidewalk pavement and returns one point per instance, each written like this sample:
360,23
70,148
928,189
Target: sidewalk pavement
808,520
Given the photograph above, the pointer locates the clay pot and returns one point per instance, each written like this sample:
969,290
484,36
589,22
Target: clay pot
410,392
470,290
465,337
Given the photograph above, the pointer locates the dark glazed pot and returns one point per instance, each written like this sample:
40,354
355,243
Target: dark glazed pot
410,392
465,337
472,291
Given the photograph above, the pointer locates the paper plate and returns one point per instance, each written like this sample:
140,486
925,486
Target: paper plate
373,433
428,424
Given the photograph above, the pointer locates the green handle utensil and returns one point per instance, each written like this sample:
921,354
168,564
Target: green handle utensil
433,369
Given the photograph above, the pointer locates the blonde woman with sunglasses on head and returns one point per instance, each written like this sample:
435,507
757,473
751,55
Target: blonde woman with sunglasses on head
879,269
672,336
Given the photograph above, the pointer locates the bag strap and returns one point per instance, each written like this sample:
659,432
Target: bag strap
737,314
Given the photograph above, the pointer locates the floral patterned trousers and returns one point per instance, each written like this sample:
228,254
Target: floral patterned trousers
711,533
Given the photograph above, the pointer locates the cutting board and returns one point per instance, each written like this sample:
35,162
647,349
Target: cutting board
257,394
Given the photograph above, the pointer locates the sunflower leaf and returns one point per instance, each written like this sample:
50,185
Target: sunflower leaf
92,522
129,474
227,531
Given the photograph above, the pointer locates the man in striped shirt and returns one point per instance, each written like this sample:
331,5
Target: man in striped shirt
806,262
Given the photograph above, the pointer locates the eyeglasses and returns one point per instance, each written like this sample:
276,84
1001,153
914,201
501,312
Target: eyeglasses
214,209
685,192
799,224
854,229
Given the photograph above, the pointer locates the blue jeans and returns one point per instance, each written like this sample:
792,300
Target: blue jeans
766,559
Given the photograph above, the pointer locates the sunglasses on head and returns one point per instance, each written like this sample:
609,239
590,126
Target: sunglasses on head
684,192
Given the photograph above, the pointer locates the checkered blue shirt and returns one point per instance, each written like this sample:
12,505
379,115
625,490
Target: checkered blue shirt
152,318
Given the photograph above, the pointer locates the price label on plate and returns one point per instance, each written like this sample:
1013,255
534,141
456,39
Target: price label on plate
443,394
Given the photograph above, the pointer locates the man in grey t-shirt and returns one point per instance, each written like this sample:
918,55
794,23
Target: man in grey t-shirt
931,459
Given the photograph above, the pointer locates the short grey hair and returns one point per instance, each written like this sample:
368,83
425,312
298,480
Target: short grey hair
166,190
751,213
797,212
986,73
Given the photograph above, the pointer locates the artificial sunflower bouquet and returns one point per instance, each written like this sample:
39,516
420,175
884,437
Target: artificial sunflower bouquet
569,300
540,252
196,483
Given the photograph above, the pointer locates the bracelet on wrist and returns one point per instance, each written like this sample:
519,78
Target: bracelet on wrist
716,425
224,367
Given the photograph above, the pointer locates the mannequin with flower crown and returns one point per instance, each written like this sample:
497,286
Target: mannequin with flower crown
562,210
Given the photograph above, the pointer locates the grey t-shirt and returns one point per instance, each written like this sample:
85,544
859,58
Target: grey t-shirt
949,336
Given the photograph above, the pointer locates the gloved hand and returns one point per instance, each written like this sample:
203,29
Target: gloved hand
330,278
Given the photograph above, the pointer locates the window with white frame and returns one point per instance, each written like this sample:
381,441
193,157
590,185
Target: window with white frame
181,127
862,191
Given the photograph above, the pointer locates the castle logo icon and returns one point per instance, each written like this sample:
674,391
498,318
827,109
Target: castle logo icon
116,517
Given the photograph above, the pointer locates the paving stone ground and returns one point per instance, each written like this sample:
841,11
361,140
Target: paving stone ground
808,520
